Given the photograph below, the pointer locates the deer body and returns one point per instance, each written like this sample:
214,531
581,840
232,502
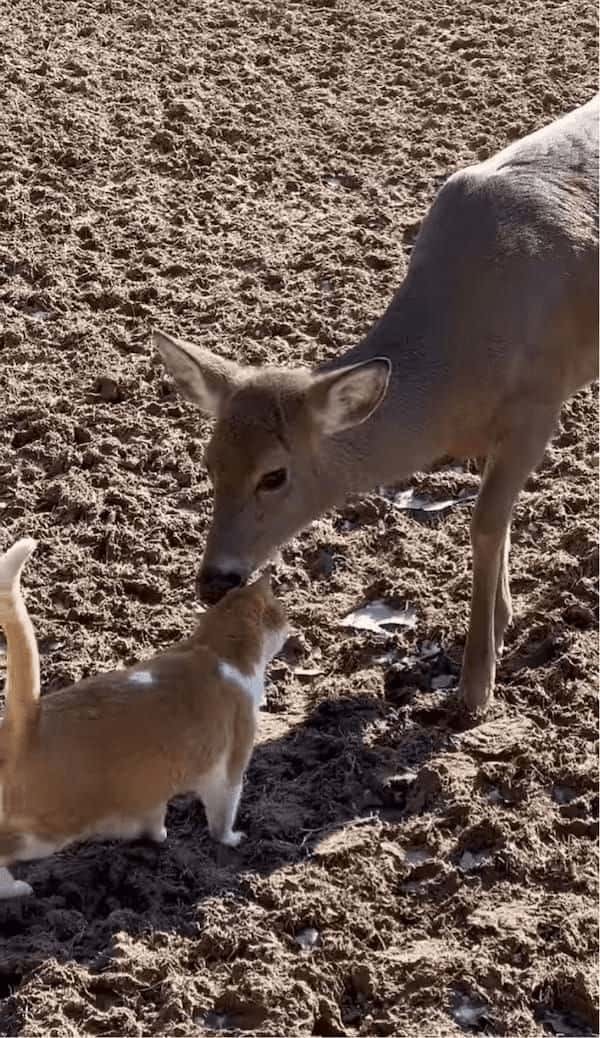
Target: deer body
494,326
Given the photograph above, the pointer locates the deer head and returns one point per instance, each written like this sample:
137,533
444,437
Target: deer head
273,450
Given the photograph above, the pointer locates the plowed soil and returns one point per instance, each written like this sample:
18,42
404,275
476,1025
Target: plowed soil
252,176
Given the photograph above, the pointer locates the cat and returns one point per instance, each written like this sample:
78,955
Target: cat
102,758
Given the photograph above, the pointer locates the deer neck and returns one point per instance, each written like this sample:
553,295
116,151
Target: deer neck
405,434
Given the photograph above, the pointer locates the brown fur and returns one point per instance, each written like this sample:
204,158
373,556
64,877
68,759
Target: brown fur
110,748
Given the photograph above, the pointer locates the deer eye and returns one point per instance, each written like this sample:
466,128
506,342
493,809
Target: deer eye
272,480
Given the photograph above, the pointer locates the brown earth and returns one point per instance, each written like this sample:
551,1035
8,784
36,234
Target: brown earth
252,175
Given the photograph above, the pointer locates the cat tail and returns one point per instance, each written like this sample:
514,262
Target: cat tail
23,662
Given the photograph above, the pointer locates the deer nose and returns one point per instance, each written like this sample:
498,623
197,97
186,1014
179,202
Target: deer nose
212,583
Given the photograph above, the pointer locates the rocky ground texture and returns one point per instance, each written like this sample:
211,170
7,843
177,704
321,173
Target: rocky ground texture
252,176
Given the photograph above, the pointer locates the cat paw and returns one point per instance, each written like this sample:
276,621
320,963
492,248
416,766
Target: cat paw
233,838
18,888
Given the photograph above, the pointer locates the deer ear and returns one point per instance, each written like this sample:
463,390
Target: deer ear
348,397
201,376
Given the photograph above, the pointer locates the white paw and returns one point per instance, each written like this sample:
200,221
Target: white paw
159,834
18,888
233,838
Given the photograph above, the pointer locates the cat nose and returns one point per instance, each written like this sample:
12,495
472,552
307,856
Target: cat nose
213,583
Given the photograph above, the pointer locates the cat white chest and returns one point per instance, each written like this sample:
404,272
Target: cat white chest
142,677
251,684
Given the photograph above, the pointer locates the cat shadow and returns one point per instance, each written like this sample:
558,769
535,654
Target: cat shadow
349,761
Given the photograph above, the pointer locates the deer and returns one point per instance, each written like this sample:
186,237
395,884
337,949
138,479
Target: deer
493,328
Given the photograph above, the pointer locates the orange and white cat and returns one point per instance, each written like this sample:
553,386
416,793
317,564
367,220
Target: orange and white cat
102,758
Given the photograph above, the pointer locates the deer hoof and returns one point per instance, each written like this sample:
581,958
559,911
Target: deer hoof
476,696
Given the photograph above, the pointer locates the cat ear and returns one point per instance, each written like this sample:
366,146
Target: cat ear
265,580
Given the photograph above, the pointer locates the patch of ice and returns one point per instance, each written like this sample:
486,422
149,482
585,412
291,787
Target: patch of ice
308,939
429,649
470,861
408,501
468,1012
218,1021
377,615
563,794
390,657
426,651
416,855
307,672
563,1025
442,681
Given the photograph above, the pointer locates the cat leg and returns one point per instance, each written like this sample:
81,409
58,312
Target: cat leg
221,797
11,847
154,825
11,887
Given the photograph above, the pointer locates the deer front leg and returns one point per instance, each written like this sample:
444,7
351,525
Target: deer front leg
503,606
479,660
505,473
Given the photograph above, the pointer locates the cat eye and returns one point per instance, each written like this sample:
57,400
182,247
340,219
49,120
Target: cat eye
272,480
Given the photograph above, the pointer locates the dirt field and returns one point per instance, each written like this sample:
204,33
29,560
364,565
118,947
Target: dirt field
252,175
